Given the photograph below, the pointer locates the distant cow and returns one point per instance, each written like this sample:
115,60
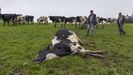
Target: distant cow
20,19
57,19
29,19
42,19
111,20
69,20
8,17
101,22
65,42
81,21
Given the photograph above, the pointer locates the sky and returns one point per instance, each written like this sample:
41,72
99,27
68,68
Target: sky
102,8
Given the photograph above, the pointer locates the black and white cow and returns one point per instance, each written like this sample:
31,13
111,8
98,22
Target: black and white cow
101,22
65,42
57,19
70,20
81,21
20,19
43,20
8,17
29,19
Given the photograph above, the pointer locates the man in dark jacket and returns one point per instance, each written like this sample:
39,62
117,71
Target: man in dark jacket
91,22
120,22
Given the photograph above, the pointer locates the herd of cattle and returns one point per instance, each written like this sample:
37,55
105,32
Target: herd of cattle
80,21
16,19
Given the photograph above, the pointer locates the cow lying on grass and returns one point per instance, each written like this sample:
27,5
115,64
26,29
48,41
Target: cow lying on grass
65,42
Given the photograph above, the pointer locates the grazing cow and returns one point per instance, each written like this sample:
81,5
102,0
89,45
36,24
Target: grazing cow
8,17
43,20
111,20
78,21
106,20
101,21
20,19
69,20
65,42
57,19
81,21
29,19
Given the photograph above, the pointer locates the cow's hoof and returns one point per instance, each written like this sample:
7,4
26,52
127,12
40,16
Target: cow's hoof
36,61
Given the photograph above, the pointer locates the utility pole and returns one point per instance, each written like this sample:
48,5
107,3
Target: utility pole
0,14
0,10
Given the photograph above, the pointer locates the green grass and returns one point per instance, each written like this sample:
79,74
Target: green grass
20,44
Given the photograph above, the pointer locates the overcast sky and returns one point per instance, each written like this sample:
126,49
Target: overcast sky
103,8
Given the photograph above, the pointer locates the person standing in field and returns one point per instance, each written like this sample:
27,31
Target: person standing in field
120,22
92,21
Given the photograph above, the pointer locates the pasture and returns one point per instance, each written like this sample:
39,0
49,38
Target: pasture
20,44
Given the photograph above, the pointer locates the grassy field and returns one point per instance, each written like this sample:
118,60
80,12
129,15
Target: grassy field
20,44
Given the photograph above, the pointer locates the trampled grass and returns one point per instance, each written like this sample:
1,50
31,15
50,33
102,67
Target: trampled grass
20,44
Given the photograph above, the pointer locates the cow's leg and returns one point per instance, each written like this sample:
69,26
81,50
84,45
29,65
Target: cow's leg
32,22
4,23
51,56
77,49
55,24
103,26
13,22
96,52
44,55
23,22
46,22
28,22
96,26
64,25
87,53
61,25
8,23
76,24
79,25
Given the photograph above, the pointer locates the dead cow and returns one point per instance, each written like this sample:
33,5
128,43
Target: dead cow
65,42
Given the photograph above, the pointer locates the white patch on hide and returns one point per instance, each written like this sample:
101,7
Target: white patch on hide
74,48
73,37
77,49
55,41
50,56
